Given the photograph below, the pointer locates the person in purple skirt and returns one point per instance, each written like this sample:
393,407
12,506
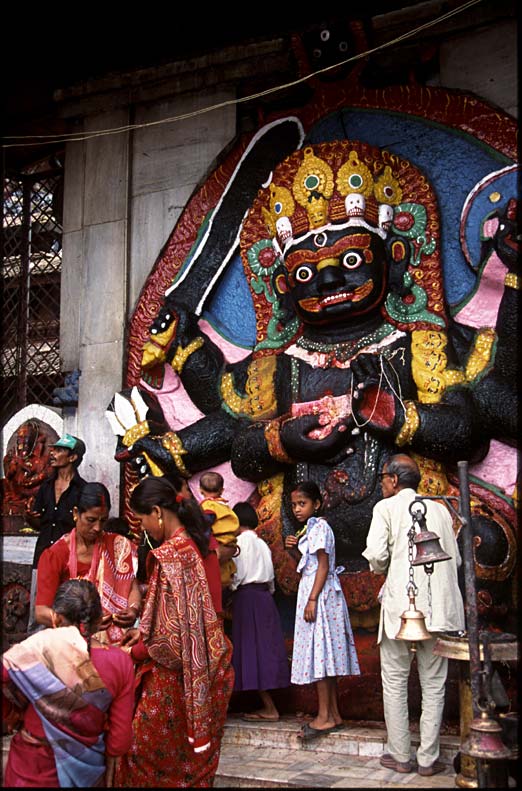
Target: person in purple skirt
259,659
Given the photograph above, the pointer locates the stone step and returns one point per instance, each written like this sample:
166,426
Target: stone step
270,754
364,740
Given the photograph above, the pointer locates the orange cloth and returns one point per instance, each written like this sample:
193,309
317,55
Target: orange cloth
226,530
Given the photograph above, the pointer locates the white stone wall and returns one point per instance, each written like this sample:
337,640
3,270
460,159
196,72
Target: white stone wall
168,161
484,63
123,196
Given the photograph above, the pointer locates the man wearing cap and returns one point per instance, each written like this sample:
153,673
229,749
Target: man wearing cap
56,498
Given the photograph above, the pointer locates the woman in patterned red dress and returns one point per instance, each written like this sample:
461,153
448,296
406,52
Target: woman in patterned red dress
185,678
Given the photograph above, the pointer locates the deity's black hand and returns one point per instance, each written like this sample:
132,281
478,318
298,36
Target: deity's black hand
374,405
142,450
297,443
186,322
366,369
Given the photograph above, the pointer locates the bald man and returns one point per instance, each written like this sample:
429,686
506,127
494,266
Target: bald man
443,609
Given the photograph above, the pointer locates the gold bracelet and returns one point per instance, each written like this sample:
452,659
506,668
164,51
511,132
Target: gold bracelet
174,445
272,433
512,280
135,433
182,354
410,425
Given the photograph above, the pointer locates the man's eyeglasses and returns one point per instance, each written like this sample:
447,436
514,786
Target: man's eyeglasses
385,474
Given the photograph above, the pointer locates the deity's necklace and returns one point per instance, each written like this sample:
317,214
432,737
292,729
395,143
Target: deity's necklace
344,350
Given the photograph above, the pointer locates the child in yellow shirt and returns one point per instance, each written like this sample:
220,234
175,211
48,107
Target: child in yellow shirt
225,524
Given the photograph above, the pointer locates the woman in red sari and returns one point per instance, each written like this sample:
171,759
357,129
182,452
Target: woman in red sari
186,677
107,560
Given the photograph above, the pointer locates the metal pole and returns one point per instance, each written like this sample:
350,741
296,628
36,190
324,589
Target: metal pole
470,604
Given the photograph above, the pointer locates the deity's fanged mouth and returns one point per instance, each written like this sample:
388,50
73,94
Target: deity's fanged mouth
315,304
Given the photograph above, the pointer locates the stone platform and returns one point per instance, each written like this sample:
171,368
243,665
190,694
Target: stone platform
270,755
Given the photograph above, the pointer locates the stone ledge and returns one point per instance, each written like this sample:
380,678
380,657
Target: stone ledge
353,740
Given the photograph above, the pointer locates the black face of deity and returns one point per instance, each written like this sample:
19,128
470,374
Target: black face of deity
337,275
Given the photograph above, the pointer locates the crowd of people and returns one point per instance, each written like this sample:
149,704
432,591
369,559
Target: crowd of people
126,676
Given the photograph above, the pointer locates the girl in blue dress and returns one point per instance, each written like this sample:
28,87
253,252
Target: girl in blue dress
323,640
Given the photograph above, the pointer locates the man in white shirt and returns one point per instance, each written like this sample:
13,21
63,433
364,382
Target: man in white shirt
260,658
443,609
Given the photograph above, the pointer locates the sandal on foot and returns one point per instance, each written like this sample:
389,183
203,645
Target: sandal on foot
389,762
308,733
434,769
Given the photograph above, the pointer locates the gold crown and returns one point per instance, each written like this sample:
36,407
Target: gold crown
320,193
359,185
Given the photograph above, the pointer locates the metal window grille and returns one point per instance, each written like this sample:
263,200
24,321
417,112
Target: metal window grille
31,269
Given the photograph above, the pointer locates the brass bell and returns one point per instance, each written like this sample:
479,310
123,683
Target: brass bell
413,627
428,549
484,740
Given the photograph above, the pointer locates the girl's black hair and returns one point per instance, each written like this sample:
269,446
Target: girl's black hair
310,489
79,601
246,514
93,495
159,491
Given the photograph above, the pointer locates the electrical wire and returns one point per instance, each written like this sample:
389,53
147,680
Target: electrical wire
79,137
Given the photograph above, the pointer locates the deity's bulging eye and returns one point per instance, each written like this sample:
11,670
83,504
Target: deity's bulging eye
320,239
352,260
303,274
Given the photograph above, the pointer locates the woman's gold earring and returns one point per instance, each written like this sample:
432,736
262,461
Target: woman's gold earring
160,521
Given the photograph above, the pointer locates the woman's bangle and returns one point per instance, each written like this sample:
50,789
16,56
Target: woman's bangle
135,605
310,598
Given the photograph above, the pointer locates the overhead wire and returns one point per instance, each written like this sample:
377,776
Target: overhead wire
79,137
